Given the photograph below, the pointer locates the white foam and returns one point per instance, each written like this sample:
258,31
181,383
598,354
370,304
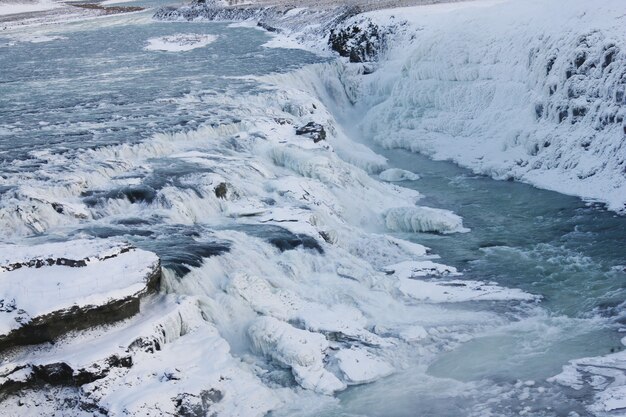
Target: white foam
179,42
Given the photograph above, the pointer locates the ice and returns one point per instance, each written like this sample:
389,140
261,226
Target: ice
360,367
311,288
423,219
300,350
515,89
395,175
180,42
452,291
8,8
605,376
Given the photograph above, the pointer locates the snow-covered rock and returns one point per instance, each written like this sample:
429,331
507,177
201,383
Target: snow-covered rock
300,350
52,288
166,360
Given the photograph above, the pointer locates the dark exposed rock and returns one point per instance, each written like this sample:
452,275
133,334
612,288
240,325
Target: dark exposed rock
221,190
189,405
358,44
268,27
55,373
49,327
312,130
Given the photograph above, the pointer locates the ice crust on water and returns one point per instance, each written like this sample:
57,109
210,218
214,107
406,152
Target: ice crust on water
359,366
180,42
605,376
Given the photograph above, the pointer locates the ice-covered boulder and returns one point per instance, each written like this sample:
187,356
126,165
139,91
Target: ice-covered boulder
360,366
300,350
423,219
396,175
49,289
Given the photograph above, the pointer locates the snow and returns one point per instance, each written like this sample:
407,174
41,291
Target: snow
338,312
110,273
180,42
155,383
454,291
512,89
301,350
396,174
360,367
415,279
9,8
423,219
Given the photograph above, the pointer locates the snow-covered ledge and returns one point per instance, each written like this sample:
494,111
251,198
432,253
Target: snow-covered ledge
49,289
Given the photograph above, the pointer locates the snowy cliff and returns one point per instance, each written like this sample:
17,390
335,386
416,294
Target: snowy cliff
516,89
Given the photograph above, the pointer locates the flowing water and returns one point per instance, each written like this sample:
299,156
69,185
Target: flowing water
96,86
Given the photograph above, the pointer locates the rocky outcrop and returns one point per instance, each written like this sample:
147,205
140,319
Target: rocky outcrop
312,130
358,43
51,289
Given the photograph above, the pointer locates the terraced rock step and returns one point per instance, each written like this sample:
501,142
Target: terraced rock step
50,289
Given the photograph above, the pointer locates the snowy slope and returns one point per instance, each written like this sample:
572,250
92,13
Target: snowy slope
529,90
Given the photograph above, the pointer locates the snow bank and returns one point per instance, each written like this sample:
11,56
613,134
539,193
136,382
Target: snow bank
179,42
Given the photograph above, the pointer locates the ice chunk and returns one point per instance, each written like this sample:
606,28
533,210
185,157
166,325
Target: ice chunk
396,174
360,366
459,291
300,350
423,219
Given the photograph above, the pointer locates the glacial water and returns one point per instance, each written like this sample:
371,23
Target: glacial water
568,251
96,86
